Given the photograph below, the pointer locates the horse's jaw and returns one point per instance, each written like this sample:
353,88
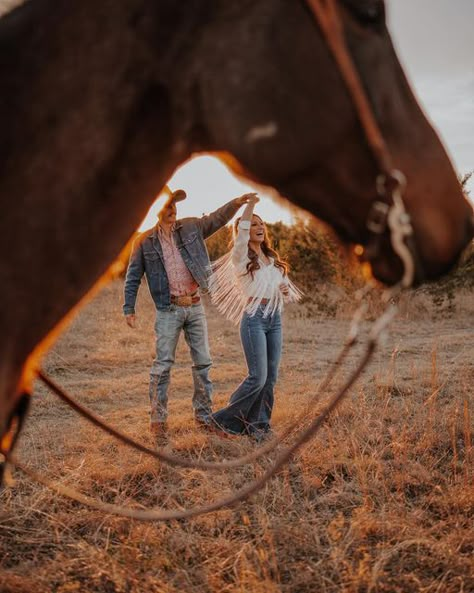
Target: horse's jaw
441,217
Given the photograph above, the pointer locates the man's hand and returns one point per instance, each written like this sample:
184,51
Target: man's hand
131,320
246,198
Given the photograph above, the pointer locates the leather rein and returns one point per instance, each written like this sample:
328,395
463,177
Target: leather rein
388,212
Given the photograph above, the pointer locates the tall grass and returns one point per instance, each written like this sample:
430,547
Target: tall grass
380,501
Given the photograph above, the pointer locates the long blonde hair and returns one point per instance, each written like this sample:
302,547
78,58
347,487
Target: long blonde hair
253,264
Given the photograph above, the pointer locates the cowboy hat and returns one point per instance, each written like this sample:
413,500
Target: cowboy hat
171,196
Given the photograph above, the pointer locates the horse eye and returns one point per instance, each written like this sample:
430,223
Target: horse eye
374,14
370,12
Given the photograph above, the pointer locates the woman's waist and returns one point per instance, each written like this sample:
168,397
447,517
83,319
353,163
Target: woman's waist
259,300
262,309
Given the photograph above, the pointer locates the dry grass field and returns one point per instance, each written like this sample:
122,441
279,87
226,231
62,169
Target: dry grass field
380,501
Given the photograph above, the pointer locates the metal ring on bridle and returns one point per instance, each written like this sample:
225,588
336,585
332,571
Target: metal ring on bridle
396,177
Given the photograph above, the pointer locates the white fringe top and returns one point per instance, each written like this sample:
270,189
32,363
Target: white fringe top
234,291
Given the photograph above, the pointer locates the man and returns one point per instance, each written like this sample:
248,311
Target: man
174,259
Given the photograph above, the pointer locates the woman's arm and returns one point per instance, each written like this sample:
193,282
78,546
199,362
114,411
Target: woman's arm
249,208
240,248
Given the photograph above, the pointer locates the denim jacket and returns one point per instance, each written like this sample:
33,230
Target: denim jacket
147,256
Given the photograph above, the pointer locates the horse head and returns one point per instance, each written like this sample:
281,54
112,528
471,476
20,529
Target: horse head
102,100
275,99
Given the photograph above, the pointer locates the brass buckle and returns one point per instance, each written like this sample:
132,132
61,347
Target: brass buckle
184,300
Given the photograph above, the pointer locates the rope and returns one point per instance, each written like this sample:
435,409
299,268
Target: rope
255,486
351,340
185,463
377,331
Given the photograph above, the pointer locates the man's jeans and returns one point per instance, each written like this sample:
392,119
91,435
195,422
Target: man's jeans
250,406
168,326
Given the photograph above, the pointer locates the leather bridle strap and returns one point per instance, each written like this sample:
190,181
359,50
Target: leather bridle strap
325,12
388,213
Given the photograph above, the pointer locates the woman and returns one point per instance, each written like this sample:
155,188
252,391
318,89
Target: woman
250,284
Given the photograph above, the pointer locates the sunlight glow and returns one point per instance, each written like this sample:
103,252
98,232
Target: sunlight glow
209,185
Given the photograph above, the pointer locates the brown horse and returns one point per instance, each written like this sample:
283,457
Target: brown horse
100,101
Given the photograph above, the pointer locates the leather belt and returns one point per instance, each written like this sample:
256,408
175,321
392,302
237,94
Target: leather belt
261,301
185,300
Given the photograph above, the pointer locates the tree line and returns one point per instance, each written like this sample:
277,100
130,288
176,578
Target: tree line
316,257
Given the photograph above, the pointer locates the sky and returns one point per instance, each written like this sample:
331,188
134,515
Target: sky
435,43
434,40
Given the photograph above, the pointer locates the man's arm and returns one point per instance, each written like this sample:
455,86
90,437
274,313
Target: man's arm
211,223
133,279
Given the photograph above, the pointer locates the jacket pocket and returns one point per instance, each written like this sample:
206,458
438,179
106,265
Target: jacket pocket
188,238
152,262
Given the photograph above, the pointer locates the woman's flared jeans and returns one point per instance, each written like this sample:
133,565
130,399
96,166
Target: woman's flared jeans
250,406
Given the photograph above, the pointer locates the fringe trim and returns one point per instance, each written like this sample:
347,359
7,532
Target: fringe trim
231,288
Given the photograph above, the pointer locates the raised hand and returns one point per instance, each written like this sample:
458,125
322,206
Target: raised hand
246,198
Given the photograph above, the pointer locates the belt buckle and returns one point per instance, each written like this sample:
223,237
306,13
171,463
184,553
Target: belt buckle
184,300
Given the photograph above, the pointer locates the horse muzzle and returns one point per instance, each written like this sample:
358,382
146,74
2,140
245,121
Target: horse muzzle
434,254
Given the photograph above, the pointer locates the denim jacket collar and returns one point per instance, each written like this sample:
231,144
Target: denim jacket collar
178,225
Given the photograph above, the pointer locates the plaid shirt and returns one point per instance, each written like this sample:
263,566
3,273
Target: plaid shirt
180,279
